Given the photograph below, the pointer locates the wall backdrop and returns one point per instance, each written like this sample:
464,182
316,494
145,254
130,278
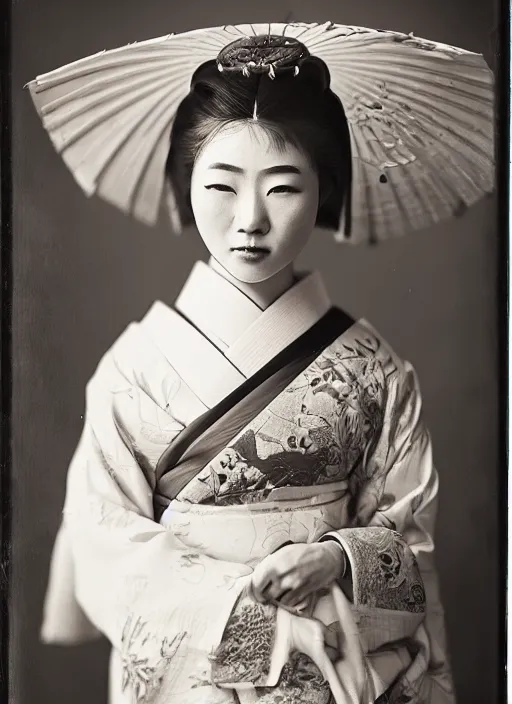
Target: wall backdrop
83,271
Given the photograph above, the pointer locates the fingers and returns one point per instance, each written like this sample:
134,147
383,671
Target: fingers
292,590
280,588
272,583
289,590
295,572
259,590
296,595
263,577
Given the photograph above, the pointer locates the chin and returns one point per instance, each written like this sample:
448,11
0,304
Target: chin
252,273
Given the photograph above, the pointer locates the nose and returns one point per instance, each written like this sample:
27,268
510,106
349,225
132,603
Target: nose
252,216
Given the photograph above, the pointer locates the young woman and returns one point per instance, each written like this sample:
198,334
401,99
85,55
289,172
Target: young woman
250,510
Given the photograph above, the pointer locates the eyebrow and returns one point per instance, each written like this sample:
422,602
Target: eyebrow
280,169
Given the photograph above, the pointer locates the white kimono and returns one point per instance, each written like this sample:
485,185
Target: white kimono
166,593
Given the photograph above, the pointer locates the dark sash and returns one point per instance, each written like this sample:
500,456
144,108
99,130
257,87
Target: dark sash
211,432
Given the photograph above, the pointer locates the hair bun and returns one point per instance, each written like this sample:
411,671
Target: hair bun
204,73
314,71
263,54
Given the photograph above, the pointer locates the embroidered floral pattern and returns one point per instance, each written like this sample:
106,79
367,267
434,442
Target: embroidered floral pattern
322,429
143,669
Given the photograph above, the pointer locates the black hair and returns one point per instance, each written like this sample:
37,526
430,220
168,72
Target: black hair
298,109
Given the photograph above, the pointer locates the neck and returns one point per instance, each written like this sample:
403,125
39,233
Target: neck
263,293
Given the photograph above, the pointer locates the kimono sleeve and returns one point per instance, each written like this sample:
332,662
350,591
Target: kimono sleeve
391,559
135,582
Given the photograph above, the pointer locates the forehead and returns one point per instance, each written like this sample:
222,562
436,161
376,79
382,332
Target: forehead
252,148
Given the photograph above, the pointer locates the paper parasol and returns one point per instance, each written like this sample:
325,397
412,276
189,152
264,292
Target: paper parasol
420,116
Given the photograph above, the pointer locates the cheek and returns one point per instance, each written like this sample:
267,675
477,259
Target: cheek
213,211
296,218
210,210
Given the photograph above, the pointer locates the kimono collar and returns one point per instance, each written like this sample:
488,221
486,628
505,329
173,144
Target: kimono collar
246,335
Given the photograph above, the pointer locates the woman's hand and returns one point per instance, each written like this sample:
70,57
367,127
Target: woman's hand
296,571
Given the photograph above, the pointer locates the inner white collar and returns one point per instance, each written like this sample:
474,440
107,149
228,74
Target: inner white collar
248,336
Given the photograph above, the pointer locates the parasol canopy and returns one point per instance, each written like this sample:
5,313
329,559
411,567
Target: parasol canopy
420,116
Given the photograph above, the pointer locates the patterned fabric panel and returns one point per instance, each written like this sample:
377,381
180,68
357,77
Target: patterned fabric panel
385,574
246,648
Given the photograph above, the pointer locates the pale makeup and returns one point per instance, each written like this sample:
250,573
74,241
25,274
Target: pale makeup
255,207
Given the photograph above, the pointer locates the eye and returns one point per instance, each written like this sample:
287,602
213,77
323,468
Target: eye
220,187
283,189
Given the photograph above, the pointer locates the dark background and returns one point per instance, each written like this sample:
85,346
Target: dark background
82,271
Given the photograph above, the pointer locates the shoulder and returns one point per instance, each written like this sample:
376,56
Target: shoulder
362,340
367,353
363,328
134,350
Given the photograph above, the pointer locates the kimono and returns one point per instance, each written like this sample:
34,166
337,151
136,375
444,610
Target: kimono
215,433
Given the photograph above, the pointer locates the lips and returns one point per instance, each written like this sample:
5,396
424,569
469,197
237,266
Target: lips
250,254
251,249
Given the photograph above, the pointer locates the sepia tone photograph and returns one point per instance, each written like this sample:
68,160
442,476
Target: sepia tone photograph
256,389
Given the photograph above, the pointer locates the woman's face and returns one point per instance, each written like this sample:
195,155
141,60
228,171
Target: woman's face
255,206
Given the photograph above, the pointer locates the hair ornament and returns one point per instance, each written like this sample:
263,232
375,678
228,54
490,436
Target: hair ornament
263,54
